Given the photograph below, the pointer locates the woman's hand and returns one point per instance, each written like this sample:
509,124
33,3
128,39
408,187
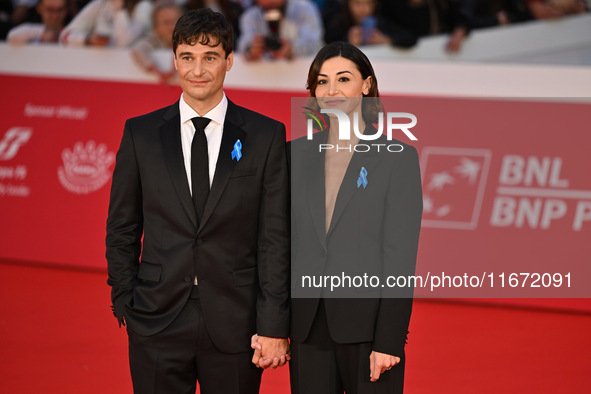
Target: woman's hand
380,363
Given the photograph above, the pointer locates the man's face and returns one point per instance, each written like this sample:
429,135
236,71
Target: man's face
53,13
202,70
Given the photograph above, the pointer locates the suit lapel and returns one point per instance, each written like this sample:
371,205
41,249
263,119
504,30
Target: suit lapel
348,188
225,164
170,134
315,190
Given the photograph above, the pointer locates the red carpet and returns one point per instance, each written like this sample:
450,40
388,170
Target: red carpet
57,335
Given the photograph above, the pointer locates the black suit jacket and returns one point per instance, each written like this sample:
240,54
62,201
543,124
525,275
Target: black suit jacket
240,250
373,231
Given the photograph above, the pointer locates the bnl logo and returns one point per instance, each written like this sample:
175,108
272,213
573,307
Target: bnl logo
13,139
454,182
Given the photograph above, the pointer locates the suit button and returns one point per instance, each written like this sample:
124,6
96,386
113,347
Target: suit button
187,278
199,241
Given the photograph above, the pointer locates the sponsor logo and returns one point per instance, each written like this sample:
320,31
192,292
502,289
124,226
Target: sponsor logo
454,181
533,193
55,112
13,139
86,167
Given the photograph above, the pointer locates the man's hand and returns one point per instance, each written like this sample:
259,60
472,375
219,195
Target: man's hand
380,363
269,352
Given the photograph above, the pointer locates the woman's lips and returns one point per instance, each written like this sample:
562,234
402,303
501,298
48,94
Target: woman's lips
334,101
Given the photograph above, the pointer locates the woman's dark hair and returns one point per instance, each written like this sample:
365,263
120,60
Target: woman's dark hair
371,108
204,26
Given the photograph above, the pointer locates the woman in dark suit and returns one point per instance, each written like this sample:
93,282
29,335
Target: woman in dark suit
356,214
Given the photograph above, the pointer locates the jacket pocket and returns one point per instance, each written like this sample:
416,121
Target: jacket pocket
149,272
245,277
243,172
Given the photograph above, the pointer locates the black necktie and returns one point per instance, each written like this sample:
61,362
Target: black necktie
199,166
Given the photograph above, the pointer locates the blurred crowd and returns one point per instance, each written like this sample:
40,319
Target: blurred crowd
266,29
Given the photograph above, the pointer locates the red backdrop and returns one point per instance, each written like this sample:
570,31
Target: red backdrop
526,209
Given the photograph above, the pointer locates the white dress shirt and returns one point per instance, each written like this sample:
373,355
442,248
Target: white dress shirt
213,133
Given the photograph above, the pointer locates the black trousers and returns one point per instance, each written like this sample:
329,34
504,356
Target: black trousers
321,366
173,360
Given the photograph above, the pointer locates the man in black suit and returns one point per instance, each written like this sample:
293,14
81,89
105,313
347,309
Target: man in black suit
197,232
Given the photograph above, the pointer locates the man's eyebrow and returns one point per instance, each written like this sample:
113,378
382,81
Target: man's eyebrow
339,73
185,53
212,53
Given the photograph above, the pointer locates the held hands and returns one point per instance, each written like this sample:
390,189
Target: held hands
274,352
269,352
380,363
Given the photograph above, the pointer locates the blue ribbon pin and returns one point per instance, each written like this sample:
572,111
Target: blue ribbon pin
362,178
236,153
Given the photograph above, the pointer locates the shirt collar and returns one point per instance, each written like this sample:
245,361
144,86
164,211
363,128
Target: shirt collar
217,113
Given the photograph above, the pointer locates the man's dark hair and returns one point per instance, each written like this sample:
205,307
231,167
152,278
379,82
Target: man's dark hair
205,27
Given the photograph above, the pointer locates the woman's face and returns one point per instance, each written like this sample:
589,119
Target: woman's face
340,85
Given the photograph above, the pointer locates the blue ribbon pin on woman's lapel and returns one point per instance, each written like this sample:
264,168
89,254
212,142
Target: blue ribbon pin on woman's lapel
362,180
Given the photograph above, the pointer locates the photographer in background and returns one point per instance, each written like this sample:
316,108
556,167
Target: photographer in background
280,29
101,23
